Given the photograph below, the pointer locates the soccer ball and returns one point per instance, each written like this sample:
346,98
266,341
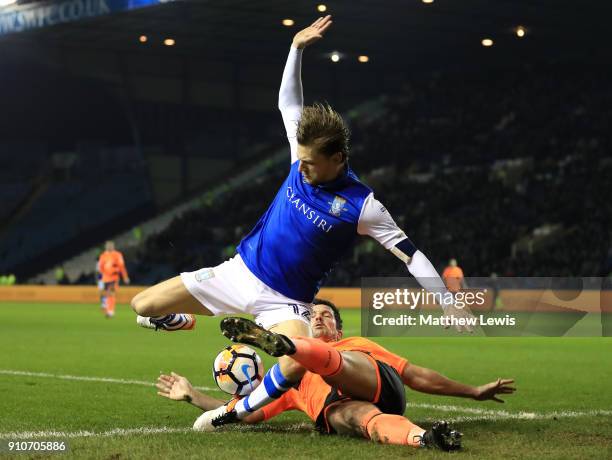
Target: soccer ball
238,370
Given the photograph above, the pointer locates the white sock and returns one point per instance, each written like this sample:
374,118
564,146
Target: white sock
173,321
274,385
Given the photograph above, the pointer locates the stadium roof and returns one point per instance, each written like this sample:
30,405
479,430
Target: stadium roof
398,33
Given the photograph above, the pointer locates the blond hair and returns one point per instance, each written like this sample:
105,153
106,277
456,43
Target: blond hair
322,128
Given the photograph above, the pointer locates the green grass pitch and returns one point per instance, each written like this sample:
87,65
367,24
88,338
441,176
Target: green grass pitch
562,409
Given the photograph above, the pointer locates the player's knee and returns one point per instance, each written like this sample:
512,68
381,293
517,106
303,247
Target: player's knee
343,424
143,305
292,370
345,418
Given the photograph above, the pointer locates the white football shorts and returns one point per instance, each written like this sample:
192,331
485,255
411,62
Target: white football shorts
231,288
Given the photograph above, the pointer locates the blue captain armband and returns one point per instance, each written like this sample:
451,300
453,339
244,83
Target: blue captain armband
404,250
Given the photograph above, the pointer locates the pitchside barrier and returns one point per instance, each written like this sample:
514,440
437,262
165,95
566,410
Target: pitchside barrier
343,297
589,301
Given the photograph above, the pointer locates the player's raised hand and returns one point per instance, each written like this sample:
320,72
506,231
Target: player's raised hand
490,391
312,33
174,386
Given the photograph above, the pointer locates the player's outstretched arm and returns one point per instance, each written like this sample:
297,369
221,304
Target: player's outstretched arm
178,388
290,96
429,381
313,33
489,391
425,273
376,222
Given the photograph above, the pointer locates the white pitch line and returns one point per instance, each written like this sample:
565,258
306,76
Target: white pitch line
479,414
168,430
488,414
130,431
467,410
84,378
92,434
534,416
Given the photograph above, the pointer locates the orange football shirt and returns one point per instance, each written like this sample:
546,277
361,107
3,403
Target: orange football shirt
452,277
111,265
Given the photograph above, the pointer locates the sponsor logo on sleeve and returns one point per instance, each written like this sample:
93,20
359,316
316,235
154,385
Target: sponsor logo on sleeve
204,274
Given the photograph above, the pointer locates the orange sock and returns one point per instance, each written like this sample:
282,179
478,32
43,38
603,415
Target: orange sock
110,304
391,429
317,356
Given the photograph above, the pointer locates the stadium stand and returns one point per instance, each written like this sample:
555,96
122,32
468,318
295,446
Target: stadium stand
503,166
452,152
455,168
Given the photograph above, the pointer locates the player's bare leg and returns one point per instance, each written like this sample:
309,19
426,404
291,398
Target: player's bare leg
363,419
168,306
103,293
357,376
103,297
290,368
110,300
170,296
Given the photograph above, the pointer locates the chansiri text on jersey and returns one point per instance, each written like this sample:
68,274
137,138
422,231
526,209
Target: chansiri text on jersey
308,212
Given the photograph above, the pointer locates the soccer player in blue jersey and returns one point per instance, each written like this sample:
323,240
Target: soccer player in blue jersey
314,219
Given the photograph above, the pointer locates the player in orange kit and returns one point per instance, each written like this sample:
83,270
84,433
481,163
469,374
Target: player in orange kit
358,390
111,265
453,276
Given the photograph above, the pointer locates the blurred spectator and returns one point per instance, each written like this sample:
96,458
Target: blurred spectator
60,276
8,280
453,276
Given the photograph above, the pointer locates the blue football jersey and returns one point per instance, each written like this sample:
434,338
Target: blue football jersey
304,232
307,228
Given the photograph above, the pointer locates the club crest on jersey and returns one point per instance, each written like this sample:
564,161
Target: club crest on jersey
337,206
